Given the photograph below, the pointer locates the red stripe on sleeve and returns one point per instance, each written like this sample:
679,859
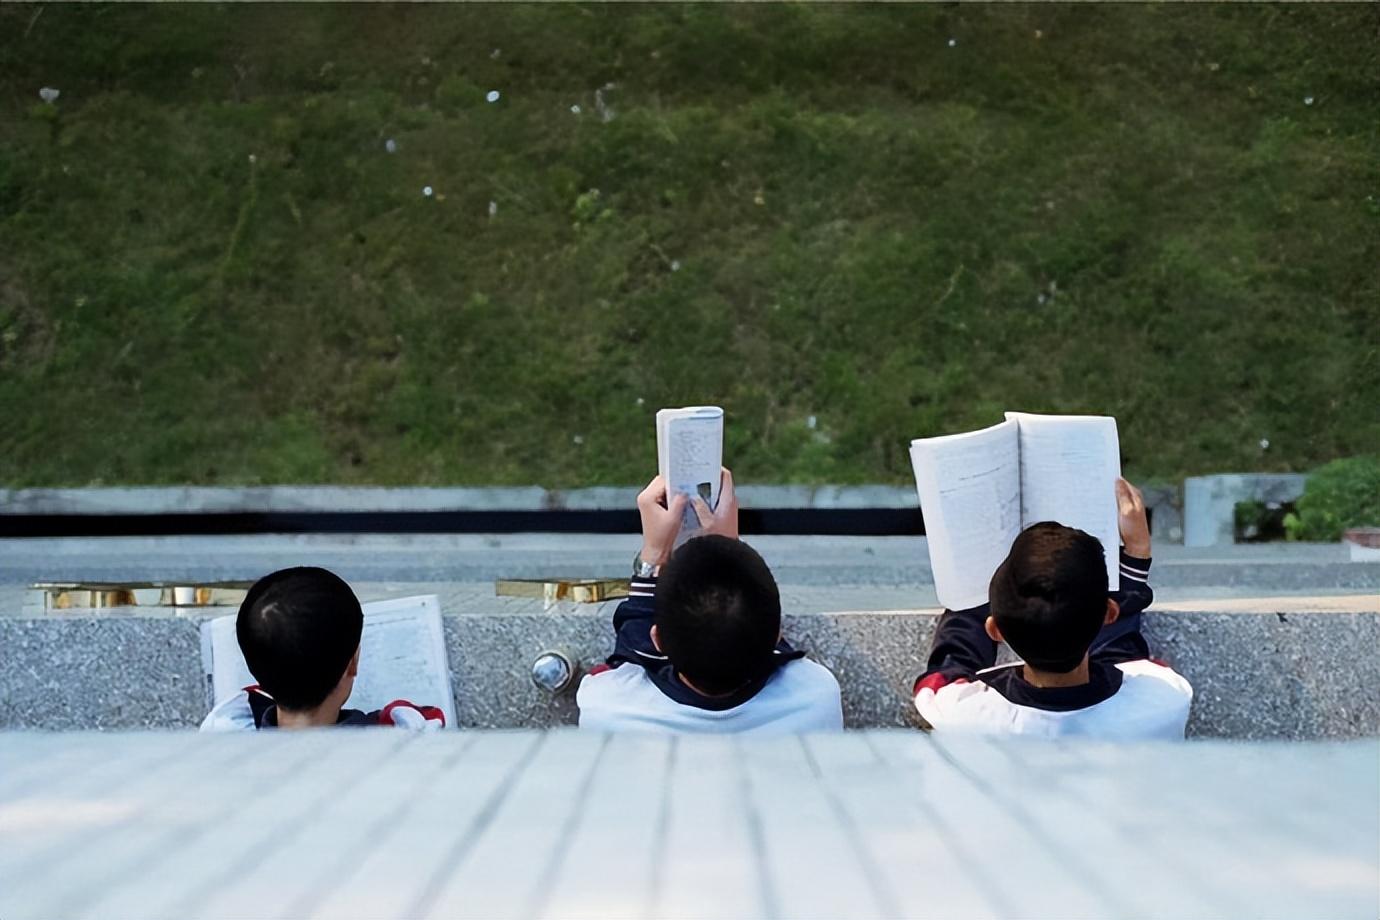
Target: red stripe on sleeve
430,713
936,682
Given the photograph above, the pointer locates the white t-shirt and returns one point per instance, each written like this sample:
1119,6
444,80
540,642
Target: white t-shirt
1151,703
801,696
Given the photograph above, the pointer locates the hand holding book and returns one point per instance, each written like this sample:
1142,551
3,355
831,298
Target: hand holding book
661,519
723,519
1131,520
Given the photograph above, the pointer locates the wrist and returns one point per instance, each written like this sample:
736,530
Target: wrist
653,554
1137,550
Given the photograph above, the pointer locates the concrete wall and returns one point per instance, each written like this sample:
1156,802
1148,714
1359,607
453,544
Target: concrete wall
1210,502
1258,673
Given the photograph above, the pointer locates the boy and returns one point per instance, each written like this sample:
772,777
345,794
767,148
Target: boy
1086,668
299,630
698,643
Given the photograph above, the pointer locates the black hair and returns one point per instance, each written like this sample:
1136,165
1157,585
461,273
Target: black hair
1049,597
298,629
718,613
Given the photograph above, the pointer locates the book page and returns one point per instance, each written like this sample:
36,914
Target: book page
690,450
402,657
221,661
969,489
1069,468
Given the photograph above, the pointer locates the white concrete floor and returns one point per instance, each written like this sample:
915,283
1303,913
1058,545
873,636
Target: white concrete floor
568,824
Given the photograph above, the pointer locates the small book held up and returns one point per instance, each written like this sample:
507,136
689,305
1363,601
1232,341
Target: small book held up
690,457
979,489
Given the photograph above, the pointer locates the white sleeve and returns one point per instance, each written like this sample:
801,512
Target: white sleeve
229,715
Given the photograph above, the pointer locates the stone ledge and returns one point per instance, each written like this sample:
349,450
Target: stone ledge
1276,670
269,499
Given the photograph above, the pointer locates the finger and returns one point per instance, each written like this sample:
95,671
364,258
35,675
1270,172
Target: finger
654,493
706,517
1137,500
726,484
1125,503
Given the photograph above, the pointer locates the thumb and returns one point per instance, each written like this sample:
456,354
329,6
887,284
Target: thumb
702,511
1125,503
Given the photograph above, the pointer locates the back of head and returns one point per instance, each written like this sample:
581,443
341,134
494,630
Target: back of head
298,629
718,613
1049,597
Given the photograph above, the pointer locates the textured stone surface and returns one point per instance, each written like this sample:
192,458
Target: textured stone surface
1276,674
1271,672
95,672
876,657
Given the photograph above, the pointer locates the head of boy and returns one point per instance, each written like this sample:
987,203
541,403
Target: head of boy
299,631
718,614
1049,598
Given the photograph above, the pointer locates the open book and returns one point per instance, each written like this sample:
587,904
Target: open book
978,490
689,456
402,656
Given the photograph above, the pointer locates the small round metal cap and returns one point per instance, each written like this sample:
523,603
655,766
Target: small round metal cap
553,671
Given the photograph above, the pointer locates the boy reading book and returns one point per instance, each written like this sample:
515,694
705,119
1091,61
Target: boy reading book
698,644
1085,670
299,630
979,489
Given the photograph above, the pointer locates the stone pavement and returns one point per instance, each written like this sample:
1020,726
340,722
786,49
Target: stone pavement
890,565
563,824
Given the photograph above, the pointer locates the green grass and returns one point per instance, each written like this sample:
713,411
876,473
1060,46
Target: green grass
800,211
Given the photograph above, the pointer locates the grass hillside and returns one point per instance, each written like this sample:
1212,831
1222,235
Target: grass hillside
850,226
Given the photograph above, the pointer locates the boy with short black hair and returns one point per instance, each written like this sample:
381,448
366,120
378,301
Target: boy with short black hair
1085,670
299,632
698,643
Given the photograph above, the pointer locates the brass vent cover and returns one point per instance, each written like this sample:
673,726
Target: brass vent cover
100,595
579,590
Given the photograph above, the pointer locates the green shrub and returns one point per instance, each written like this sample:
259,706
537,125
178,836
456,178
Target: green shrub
1342,494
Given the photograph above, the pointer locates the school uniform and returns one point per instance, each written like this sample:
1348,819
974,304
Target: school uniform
254,709
637,689
1129,695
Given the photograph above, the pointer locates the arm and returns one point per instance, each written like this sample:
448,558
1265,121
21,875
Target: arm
1135,594
661,521
406,714
633,620
632,626
1122,640
960,649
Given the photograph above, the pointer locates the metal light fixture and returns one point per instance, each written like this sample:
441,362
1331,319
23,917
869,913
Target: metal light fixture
555,671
